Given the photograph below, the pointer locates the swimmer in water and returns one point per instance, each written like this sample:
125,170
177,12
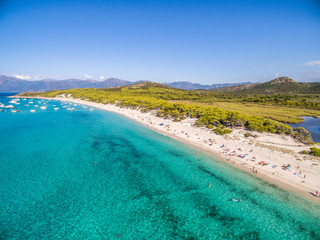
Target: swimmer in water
236,200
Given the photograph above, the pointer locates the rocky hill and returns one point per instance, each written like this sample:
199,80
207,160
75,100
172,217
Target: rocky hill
279,85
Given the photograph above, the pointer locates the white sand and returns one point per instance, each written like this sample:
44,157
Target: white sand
303,175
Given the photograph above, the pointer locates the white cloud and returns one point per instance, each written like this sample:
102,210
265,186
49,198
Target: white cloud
101,77
312,63
22,76
87,76
277,74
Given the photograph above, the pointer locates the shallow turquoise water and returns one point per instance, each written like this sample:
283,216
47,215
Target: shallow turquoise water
94,175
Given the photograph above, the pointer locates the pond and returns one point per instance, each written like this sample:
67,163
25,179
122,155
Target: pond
312,125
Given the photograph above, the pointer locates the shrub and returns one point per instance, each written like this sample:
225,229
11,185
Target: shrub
247,135
221,130
304,152
302,135
315,151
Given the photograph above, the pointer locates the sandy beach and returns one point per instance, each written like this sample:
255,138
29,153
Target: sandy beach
272,157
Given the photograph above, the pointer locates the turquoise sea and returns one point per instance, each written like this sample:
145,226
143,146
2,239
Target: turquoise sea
84,174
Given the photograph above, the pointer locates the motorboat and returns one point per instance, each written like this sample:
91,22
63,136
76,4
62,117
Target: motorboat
9,106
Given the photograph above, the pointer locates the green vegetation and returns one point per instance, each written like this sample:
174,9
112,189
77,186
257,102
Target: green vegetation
283,114
221,130
315,151
206,106
304,152
302,135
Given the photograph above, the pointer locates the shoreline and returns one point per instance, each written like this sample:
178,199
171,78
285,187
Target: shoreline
244,153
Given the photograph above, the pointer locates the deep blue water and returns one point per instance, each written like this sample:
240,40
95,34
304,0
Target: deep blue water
312,125
85,174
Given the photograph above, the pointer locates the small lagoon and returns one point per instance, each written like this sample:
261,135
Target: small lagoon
312,125
81,174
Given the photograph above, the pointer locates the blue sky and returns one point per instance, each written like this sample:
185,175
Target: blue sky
207,42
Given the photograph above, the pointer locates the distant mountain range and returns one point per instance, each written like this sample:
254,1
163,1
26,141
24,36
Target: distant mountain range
279,85
190,86
12,84
276,86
